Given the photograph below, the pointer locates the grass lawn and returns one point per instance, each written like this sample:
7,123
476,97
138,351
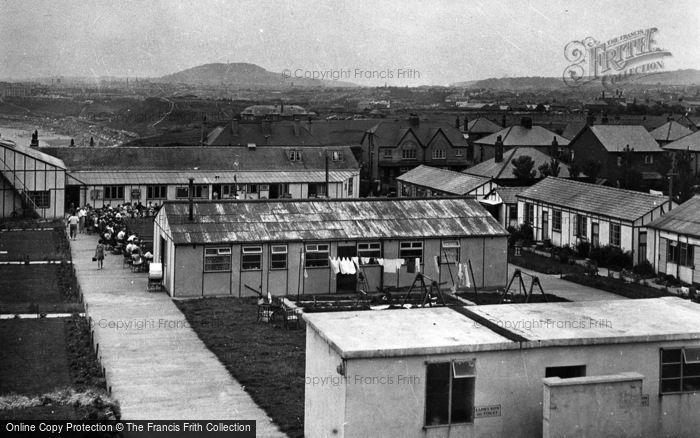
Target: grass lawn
267,360
545,265
484,298
617,286
35,245
38,288
49,371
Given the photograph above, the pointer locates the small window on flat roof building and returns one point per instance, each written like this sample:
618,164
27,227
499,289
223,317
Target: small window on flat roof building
566,372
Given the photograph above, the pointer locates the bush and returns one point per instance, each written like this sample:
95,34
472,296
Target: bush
644,269
583,249
611,257
522,234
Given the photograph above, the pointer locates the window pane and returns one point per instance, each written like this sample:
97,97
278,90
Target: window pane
462,400
690,370
463,368
251,262
691,384
671,385
437,393
671,370
691,355
671,355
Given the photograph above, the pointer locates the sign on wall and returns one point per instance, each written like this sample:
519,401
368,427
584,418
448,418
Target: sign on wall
135,194
487,411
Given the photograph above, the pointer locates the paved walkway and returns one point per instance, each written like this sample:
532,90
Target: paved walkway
156,365
552,284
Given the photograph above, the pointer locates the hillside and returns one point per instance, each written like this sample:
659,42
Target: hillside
242,75
678,77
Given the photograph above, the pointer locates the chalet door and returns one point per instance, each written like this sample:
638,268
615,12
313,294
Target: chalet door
642,252
545,225
346,282
595,233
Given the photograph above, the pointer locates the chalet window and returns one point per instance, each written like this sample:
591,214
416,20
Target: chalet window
648,159
449,393
566,372
411,250
615,235
251,188
439,154
316,255
556,220
156,192
42,199
251,258
217,259
529,213
371,250
458,152
278,257
449,252
294,155
680,370
680,253
114,192
513,212
386,153
184,192
317,190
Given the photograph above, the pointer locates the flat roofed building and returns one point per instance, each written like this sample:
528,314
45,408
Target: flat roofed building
481,370
567,212
284,247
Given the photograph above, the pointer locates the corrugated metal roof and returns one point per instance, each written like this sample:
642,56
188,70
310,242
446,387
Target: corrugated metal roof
684,219
312,220
518,135
615,138
504,169
670,131
689,142
595,199
447,181
192,158
182,177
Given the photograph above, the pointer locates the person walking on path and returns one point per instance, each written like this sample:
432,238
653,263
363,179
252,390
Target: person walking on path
81,217
100,254
73,225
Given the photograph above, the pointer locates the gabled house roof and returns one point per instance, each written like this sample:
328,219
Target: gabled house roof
518,135
572,129
184,158
313,220
684,219
594,199
37,155
391,132
504,169
670,131
509,194
689,142
615,138
482,125
448,181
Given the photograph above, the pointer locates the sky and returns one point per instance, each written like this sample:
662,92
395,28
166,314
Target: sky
399,42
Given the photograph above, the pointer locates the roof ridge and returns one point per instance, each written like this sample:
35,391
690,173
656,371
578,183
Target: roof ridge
634,192
506,162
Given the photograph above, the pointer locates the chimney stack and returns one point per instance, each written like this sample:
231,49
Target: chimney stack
526,122
554,149
457,123
35,140
499,150
503,120
190,193
466,124
590,119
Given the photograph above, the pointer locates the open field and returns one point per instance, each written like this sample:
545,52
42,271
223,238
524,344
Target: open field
267,360
34,245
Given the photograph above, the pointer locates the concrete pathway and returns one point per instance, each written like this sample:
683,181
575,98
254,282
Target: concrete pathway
552,284
156,365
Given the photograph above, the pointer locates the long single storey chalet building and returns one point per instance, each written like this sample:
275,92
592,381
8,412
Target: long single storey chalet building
287,246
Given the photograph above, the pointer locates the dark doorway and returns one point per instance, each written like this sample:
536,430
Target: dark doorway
72,197
346,282
216,191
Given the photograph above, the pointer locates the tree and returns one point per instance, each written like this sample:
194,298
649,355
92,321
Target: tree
92,142
592,169
550,168
540,108
684,178
523,168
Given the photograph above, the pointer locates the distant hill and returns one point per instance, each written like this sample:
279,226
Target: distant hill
677,77
242,75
